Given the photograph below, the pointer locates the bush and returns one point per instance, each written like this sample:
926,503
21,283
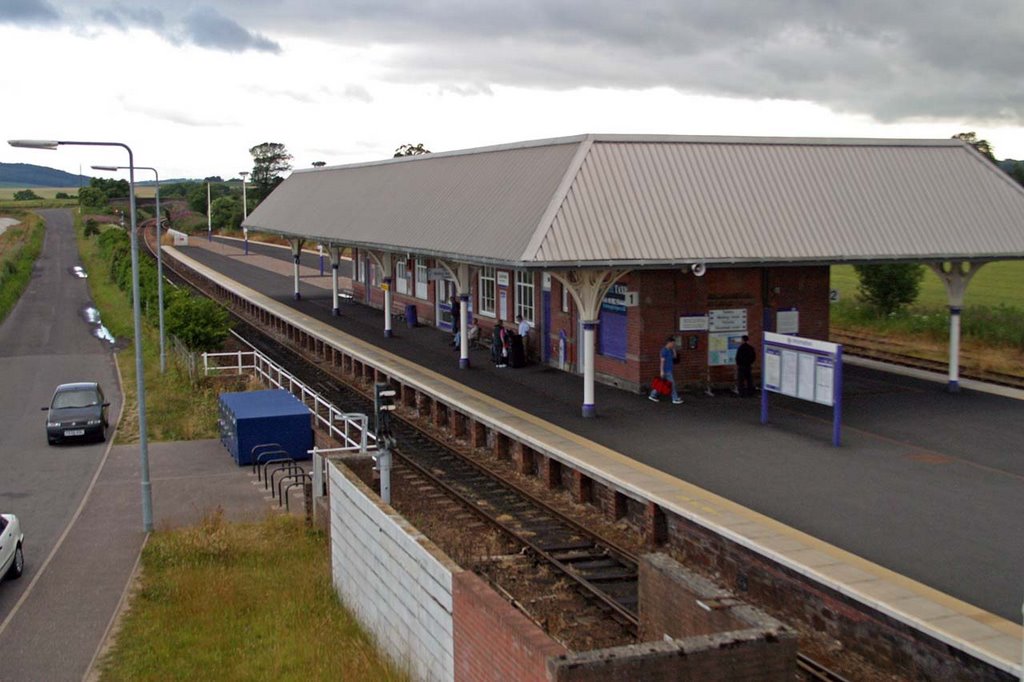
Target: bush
889,287
25,195
92,228
201,324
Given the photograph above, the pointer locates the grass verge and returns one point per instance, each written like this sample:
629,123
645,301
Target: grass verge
241,602
992,323
20,246
176,407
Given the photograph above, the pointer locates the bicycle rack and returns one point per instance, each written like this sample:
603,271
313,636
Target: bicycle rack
289,470
266,467
300,481
271,451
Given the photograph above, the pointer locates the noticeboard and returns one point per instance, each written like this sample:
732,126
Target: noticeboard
806,369
727,320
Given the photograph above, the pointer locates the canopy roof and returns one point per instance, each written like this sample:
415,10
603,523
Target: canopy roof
614,200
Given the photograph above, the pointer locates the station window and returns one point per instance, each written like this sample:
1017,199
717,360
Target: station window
375,278
524,295
487,285
361,267
421,278
402,277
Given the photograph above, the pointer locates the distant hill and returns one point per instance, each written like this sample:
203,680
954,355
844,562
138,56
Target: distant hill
26,175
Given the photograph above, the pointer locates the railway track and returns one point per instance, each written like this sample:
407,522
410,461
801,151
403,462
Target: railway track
605,573
892,352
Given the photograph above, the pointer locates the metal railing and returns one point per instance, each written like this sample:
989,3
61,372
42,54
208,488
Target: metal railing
352,429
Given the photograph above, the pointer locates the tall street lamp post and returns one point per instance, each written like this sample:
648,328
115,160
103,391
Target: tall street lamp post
245,212
140,380
159,260
209,215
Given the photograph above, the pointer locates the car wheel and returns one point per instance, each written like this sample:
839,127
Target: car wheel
14,572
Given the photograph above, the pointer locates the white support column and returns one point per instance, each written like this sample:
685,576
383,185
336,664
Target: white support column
387,307
956,275
588,288
296,251
460,273
386,263
463,331
335,254
589,408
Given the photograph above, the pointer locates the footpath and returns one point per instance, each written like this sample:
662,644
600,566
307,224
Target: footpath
58,629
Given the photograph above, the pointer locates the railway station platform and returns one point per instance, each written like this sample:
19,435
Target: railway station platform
928,485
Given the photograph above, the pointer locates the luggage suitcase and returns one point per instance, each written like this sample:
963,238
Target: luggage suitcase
517,355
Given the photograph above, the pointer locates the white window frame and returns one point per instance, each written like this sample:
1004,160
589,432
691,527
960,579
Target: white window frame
375,278
360,267
487,288
422,276
526,292
402,277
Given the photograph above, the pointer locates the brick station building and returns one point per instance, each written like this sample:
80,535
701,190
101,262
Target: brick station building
608,244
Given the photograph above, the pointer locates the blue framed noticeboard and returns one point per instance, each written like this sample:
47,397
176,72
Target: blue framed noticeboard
806,369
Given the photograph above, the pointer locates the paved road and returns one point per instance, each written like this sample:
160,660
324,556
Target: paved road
928,484
80,505
45,341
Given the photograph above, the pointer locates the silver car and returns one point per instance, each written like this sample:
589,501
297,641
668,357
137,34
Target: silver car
12,562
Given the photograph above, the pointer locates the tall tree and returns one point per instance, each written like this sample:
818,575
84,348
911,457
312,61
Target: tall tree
411,150
983,146
319,164
270,159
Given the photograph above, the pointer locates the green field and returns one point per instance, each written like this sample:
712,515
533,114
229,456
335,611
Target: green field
1000,283
7,193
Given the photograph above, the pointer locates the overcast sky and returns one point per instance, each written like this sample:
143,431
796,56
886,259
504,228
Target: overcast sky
191,86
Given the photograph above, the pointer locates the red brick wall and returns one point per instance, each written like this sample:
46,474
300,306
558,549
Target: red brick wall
494,641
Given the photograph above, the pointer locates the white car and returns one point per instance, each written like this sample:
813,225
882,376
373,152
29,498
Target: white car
12,562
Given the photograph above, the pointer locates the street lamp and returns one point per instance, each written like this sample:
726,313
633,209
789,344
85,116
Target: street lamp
245,212
159,260
209,215
140,381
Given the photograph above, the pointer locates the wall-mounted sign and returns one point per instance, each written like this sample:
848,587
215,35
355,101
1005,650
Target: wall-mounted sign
502,278
728,320
437,274
545,281
787,321
615,300
693,323
722,347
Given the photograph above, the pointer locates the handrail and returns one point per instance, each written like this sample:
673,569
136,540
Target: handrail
326,413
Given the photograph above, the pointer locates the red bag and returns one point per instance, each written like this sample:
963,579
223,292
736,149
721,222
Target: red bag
661,386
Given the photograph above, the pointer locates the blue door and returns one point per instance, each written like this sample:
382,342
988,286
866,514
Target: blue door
611,333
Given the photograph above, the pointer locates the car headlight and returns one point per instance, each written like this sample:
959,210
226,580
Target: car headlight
55,425
92,422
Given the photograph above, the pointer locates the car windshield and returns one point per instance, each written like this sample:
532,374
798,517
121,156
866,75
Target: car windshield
81,398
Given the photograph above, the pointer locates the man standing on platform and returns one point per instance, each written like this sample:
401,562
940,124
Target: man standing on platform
745,357
667,360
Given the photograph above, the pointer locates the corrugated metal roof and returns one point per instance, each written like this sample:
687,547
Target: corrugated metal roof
482,205
651,199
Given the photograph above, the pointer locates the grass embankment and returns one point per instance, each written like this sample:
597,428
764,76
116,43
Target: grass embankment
176,409
20,245
992,323
240,602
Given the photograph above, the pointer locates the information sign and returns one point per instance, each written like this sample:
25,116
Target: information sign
787,321
806,369
722,347
693,323
728,320
502,278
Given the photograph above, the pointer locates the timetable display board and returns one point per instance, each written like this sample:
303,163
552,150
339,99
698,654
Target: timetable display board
806,369
726,329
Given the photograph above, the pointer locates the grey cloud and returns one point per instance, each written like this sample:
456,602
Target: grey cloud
357,93
890,60
122,17
173,115
27,12
206,27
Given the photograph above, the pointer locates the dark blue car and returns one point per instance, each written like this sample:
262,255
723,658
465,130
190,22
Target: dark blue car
77,412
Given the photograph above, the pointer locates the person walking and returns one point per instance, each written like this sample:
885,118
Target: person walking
666,361
745,358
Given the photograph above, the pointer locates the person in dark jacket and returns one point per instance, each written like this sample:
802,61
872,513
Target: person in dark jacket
745,358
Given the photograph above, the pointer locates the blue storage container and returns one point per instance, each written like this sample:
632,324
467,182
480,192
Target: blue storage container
256,417
411,318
